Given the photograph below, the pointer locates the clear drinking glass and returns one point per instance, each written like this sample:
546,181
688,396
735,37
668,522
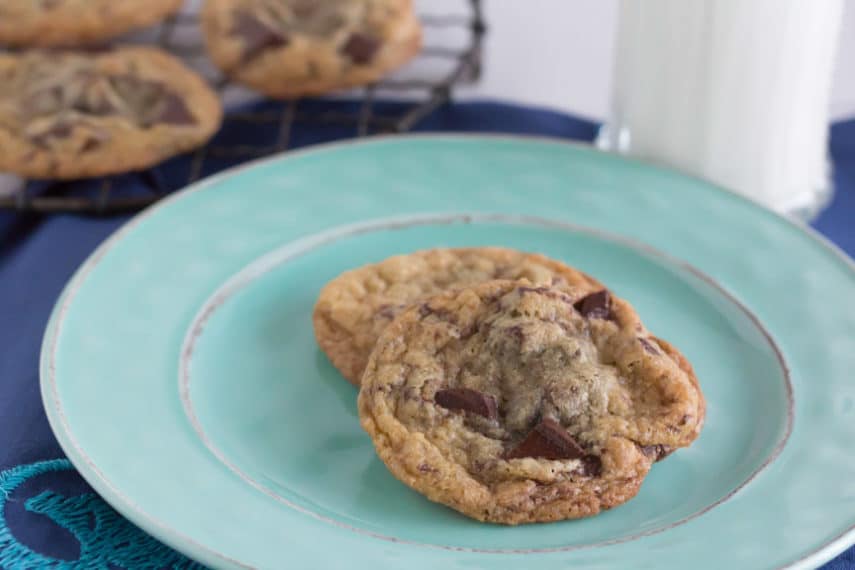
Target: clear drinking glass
734,91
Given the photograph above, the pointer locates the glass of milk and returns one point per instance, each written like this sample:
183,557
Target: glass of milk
734,91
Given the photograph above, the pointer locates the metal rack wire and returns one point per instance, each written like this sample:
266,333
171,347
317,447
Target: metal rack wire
425,95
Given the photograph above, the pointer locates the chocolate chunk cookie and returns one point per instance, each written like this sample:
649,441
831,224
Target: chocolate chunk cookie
288,48
43,23
72,115
517,404
354,308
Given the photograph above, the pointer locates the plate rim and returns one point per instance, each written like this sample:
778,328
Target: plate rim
162,531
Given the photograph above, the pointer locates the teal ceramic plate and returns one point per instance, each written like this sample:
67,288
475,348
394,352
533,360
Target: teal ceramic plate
180,373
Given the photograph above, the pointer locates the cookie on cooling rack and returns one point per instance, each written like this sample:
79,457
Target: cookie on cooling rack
289,48
354,308
517,404
76,115
43,23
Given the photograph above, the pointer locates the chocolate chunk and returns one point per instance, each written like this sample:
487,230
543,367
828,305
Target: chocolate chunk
595,306
148,102
360,48
174,111
649,346
656,452
468,400
547,440
517,332
256,35
592,466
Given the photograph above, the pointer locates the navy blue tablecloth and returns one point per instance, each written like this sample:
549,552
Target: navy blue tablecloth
48,515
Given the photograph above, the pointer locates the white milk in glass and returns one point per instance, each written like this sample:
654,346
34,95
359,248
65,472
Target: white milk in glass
734,91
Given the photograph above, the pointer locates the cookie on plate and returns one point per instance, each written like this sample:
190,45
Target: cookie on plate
517,404
44,23
76,115
288,48
354,308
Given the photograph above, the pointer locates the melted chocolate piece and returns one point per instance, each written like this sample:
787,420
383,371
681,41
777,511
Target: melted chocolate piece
548,440
595,306
360,48
175,111
657,452
649,346
592,466
151,102
468,400
256,35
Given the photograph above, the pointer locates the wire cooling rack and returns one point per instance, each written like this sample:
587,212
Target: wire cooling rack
419,96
